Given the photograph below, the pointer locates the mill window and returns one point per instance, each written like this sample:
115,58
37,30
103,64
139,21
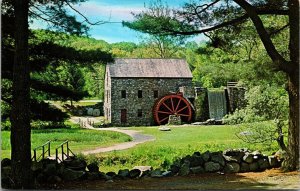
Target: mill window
140,94
140,113
155,93
123,93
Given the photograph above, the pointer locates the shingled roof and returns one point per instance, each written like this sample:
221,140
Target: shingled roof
149,68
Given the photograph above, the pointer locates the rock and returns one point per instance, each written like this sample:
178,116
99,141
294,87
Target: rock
6,171
174,168
253,167
244,167
111,174
69,174
232,167
144,169
5,162
236,154
218,158
6,183
50,169
123,173
280,155
211,122
196,160
41,178
274,163
54,179
164,128
184,170
134,173
199,123
103,176
212,167
92,175
36,166
90,111
263,163
197,170
206,156
197,153
77,164
157,173
248,158
167,173
256,155
110,181
174,120
93,167
96,112
230,159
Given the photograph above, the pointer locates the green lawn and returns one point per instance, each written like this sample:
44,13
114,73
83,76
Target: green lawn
79,139
178,142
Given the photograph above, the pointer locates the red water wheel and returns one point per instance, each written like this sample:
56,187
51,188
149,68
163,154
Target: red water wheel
172,104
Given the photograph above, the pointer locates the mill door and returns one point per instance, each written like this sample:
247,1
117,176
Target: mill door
123,115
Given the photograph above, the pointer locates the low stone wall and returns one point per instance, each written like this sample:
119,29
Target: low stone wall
229,161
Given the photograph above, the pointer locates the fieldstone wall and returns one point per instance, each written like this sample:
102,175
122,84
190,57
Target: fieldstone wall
132,103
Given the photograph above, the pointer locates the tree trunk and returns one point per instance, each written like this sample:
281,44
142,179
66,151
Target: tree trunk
292,162
20,114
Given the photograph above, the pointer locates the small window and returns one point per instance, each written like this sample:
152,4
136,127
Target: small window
140,113
140,94
123,93
155,93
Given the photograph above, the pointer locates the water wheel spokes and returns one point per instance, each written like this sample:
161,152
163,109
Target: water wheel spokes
172,104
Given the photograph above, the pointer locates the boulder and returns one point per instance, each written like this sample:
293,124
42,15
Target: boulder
273,162
174,168
236,154
77,164
41,178
92,175
93,167
103,176
230,159
197,153
218,158
167,173
70,175
196,160
164,128
212,167
244,167
123,173
253,167
197,170
36,166
263,163
144,170
184,169
6,171
90,111
157,173
134,173
232,167
50,169
256,155
54,179
111,174
206,156
5,162
248,158
96,112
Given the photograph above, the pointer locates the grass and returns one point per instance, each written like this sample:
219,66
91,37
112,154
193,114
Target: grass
79,139
179,142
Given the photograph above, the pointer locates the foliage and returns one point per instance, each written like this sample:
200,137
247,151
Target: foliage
264,102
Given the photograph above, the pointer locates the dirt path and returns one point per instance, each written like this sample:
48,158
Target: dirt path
137,138
271,179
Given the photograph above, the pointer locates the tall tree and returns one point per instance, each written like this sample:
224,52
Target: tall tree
20,120
196,18
15,16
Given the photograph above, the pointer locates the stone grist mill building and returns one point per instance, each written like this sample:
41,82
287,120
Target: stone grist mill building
148,91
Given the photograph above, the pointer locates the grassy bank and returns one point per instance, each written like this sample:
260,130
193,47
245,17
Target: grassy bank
79,139
178,142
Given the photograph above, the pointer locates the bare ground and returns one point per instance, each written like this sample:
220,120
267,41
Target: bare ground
272,179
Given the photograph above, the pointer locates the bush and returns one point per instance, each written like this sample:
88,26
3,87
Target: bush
264,102
49,125
5,125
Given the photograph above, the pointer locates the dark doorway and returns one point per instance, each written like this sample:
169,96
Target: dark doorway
123,115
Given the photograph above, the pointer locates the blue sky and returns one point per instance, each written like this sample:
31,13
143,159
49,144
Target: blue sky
117,11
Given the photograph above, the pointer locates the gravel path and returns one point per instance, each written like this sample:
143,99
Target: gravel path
137,137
